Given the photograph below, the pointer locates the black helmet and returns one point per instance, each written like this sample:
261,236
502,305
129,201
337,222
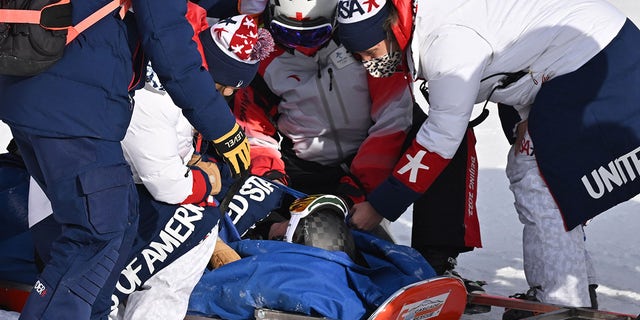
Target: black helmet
319,221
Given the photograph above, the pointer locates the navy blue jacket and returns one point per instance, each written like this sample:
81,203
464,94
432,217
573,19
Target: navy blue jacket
85,94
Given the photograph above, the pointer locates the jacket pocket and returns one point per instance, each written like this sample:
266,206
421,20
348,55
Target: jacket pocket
108,195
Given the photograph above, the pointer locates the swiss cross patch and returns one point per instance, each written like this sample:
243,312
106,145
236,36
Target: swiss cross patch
413,165
418,167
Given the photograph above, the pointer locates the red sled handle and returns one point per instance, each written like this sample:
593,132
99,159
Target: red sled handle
546,310
442,298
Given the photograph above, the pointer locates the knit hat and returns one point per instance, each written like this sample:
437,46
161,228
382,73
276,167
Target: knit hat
361,23
233,47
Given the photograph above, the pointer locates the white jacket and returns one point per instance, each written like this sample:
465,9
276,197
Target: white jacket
454,53
158,145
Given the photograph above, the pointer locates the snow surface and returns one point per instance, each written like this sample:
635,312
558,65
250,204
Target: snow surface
612,237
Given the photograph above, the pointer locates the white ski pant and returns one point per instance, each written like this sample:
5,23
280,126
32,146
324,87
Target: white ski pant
166,294
554,259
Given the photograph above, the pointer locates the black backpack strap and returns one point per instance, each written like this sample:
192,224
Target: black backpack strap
508,78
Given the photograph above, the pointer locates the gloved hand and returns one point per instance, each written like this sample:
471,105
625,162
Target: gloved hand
350,191
211,170
222,254
234,148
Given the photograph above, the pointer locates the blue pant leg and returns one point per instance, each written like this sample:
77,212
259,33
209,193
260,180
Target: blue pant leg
103,303
43,234
94,200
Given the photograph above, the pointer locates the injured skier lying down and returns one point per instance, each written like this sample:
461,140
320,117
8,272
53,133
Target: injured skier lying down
280,275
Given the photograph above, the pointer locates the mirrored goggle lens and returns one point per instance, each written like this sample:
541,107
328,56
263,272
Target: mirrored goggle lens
300,36
299,205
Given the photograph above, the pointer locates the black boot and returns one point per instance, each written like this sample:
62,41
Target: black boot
472,286
443,261
515,314
593,296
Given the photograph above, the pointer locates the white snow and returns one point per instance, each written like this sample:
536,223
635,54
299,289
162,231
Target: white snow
8,315
612,237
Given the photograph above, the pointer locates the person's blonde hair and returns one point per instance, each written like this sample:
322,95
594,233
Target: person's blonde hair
392,17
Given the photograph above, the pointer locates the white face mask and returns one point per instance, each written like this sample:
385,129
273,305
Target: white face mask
384,66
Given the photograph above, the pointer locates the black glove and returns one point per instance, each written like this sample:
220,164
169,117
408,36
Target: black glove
234,148
350,191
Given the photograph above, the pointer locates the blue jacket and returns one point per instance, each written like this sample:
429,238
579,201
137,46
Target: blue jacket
85,94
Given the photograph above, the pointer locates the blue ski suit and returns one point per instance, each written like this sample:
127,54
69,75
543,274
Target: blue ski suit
68,122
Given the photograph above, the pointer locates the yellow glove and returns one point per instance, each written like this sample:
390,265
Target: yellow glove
222,254
234,148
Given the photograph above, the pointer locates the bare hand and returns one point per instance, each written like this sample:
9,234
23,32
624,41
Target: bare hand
278,229
364,216
521,130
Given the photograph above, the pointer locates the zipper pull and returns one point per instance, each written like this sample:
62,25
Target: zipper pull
330,79
533,78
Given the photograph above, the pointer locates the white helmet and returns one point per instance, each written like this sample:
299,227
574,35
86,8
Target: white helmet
305,9
306,23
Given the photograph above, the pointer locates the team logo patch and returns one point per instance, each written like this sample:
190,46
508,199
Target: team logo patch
424,309
161,250
526,147
341,58
612,175
40,288
351,11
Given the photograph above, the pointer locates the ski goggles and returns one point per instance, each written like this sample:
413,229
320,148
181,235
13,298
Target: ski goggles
309,34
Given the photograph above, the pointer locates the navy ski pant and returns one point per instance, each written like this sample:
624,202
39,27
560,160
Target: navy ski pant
94,199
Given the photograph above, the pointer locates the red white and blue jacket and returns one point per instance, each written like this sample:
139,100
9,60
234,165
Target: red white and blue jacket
330,109
462,48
